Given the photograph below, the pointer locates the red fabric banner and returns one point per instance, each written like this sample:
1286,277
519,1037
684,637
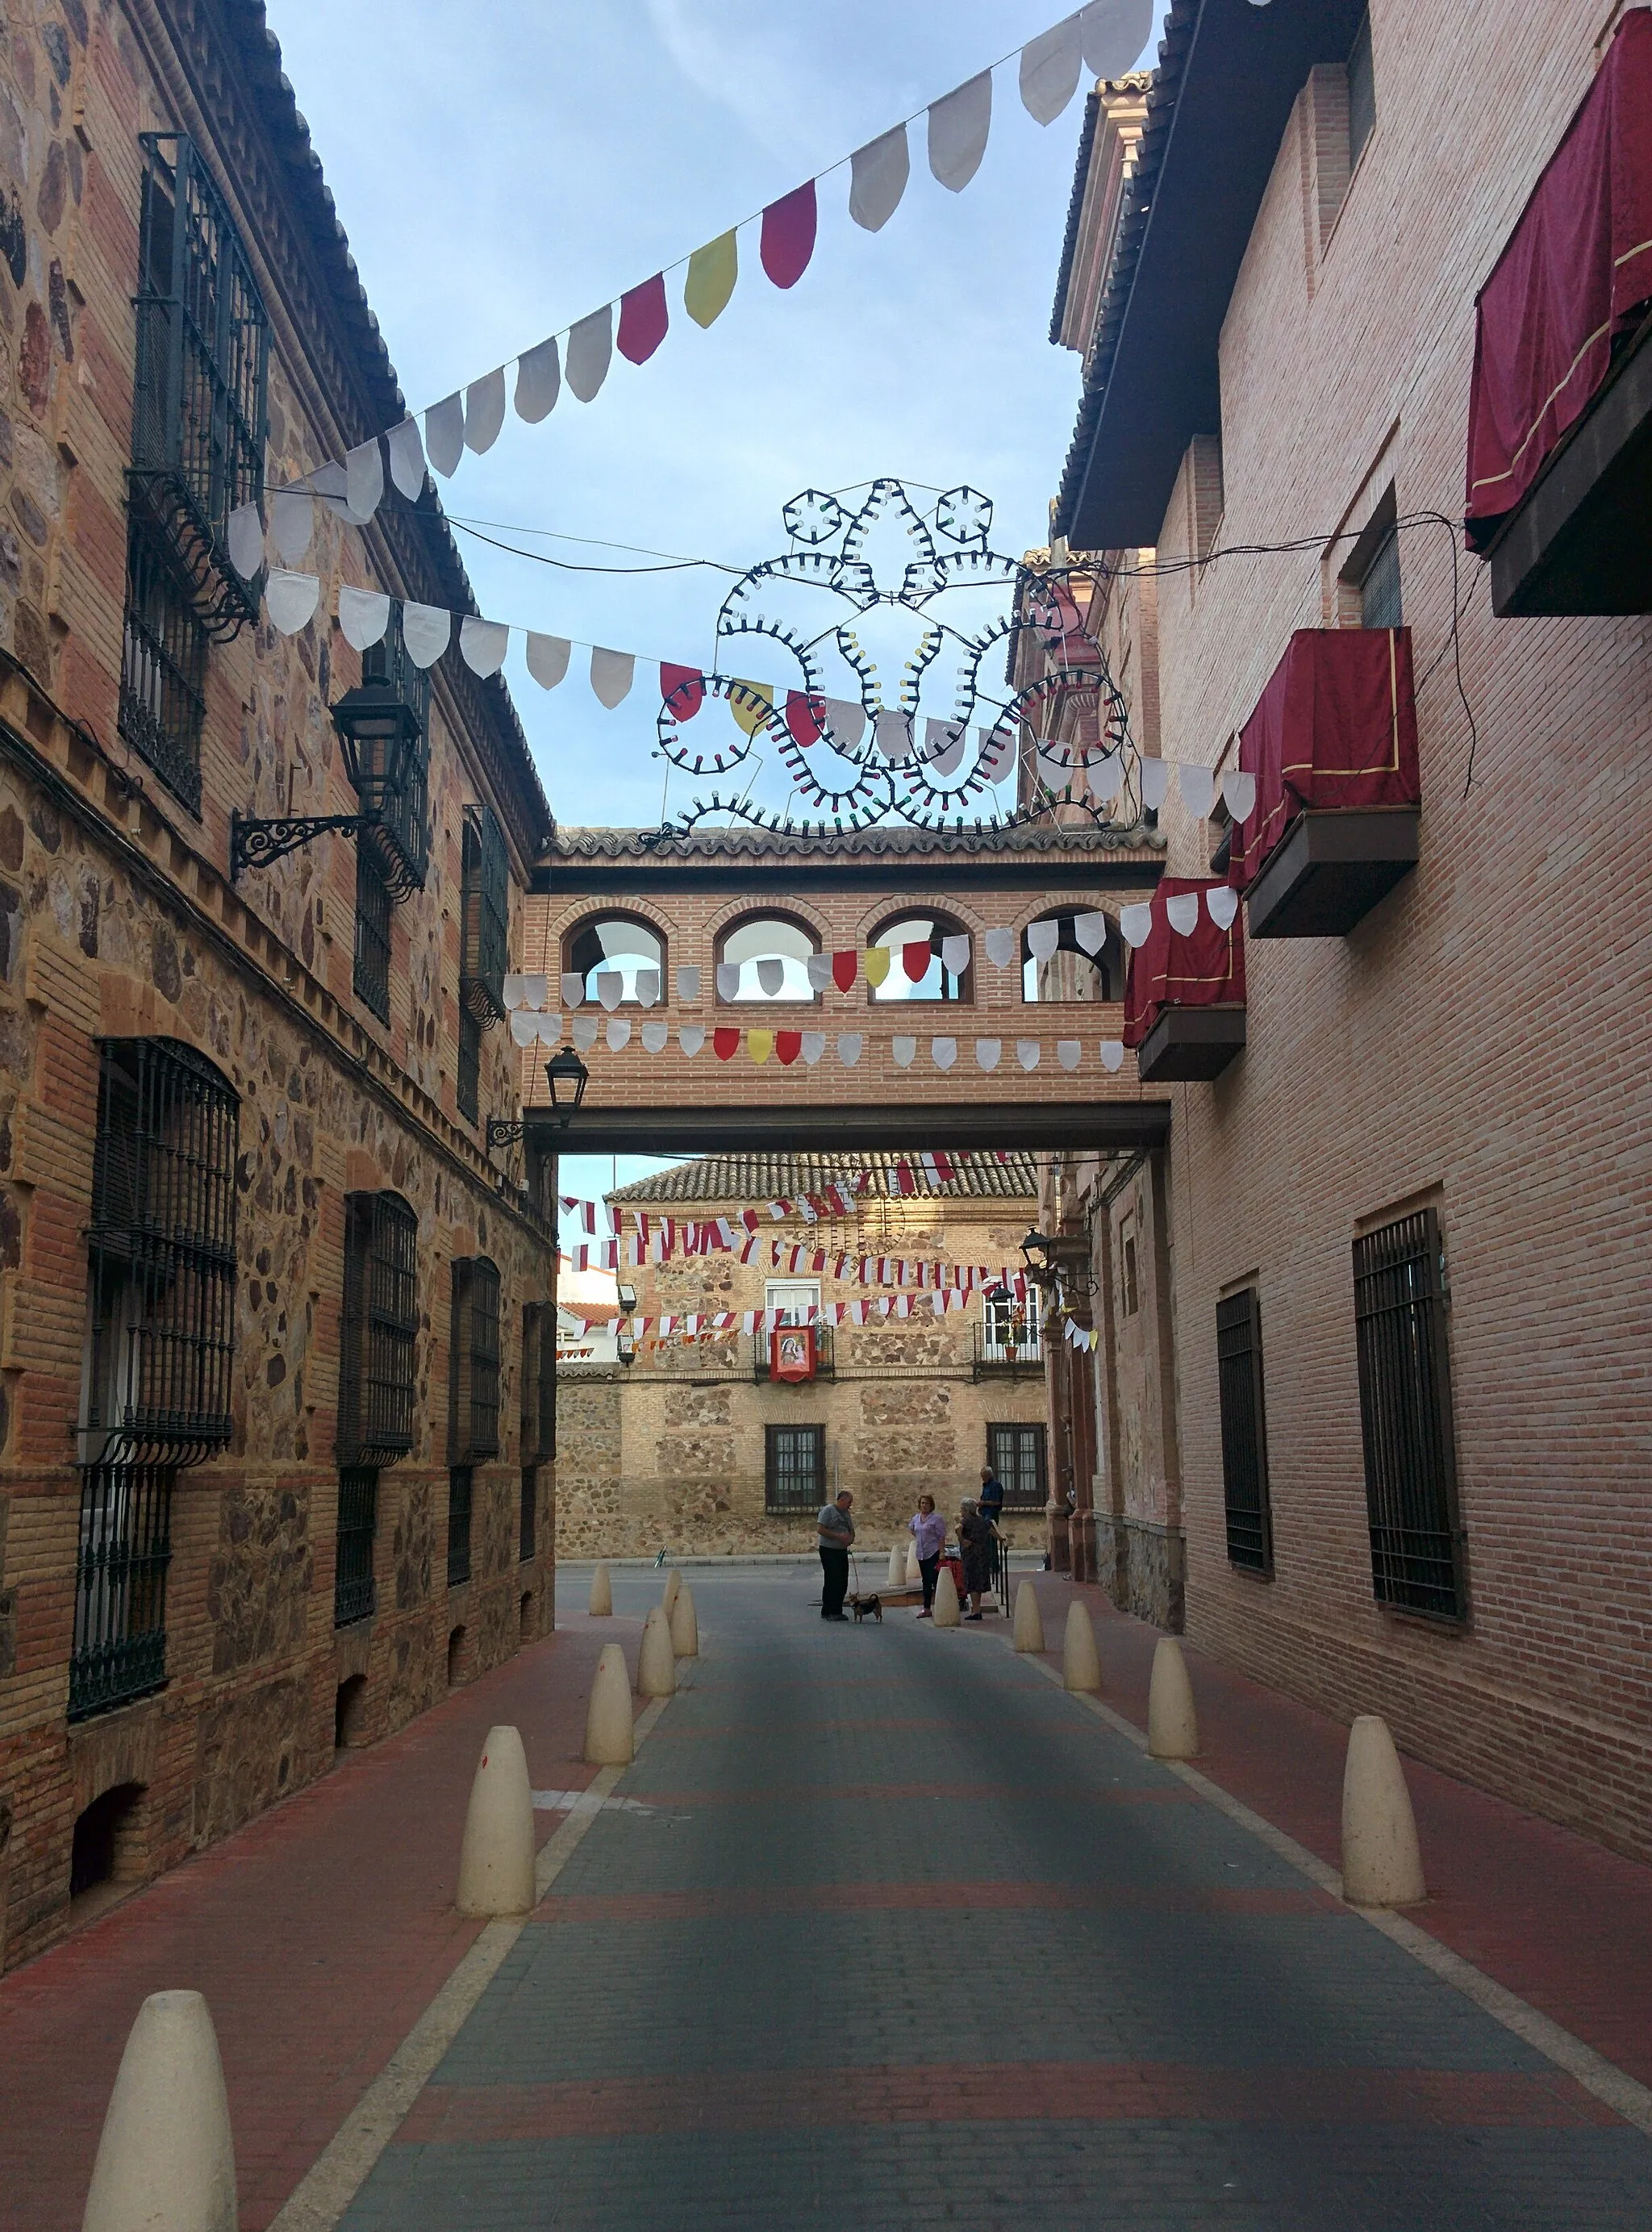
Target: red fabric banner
916,959
725,1042
787,240
643,320
683,688
1205,968
791,1352
805,717
1576,274
787,1047
1337,726
844,966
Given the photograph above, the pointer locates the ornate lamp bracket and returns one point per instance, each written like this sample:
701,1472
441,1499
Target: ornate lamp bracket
259,841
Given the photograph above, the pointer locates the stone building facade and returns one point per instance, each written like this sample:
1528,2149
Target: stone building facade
695,1448
1397,1248
258,1496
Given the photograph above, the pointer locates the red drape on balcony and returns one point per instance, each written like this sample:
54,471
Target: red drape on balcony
1575,273
1337,726
1203,967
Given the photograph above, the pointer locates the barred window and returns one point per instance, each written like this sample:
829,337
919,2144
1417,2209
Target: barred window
200,415
400,838
1244,1432
354,1594
161,1257
125,1546
380,1332
460,1484
794,1467
163,665
1016,1456
539,1382
373,904
473,1370
485,931
1406,1420
470,1080
527,1534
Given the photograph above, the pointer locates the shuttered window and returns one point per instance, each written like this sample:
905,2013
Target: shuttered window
1016,1455
1244,1435
485,926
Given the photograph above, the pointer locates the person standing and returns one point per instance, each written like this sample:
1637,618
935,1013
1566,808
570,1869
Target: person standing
976,1540
929,1531
837,1531
991,1505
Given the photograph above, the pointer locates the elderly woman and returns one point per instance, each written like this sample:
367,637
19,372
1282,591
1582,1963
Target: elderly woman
976,1540
928,1532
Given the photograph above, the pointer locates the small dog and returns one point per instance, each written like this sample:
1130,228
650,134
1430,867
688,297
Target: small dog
863,1607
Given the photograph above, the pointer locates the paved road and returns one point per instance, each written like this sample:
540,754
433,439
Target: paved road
910,1937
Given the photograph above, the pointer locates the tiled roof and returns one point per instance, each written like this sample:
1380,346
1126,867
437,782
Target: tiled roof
591,844
743,1178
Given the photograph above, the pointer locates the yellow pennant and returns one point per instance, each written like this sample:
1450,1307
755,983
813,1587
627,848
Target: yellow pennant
713,271
875,961
760,1045
751,703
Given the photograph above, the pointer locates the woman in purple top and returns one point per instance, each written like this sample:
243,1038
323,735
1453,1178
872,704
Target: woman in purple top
929,1531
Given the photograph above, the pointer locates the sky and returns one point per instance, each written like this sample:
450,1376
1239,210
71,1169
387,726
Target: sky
503,169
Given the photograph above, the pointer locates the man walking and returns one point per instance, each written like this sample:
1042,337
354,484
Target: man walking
837,1531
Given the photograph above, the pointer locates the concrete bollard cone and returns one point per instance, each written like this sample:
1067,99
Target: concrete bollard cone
684,1626
656,1660
673,1583
1029,1621
602,1594
1382,1865
1081,1660
1172,1724
496,1858
897,1565
914,1571
608,1741
947,1611
166,2157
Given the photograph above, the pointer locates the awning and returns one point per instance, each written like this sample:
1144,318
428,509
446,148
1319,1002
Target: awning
1196,966
1576,275
1336,726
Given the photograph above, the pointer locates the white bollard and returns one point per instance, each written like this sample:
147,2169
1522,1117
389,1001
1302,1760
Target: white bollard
1381,1862
1081,1660
947,1611
673,1583
684,1626
496,1858
656,1660
602,1595
1172,1724
897,1565
167,2158
608,1739
914,1571
1029,1621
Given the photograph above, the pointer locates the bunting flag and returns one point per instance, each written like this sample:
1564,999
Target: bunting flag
762,1046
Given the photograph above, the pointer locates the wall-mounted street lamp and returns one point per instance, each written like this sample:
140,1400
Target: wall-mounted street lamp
378,733
626,1344
626,1297
1059,1261
568,1077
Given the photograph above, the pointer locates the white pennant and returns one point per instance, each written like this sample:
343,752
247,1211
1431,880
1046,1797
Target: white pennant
1026,1053
426,632
1053,770
1155,783
943,743
516,990
1135,924
406,458
997,754
691,1038
483,644
290,598
547,658
819,966
610,987
813,1048
1050,67
1107,778
944,1052
524,1027
846,720
550,1030
363,479
878,176
654,1036
1090,932
1198,790
538,382
364,614
617,1034
1181,913
648,990
611,676
1067,1052
903,1050
292,522
895,737
536,988
771,974
590,349
988,1052
1239,791
687,986
954,955
444,435
1001,947
246,537
849,1045
1042,939
728,980
484,411
959,124
1113,33
573,988
1223,902
584,1033
1112,1053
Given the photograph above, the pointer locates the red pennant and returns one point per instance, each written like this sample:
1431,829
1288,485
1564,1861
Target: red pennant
944,1167
916,959
725,1042
683,688
844,966
903,1177
642,319
805,717
788,235
787,1047
748,1218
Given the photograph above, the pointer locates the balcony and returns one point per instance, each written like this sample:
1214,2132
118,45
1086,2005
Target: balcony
1190,1045
1009,1358
824,1360
1184,989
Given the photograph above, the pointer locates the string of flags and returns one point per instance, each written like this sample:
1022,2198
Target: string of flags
710,1325
787,1047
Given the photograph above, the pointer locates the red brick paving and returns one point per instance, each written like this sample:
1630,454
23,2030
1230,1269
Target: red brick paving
319,1935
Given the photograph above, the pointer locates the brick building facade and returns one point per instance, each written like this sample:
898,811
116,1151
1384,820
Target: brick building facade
271,1316
1374,1319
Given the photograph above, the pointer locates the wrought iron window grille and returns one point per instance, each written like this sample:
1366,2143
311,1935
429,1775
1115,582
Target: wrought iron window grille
485,918
355,1590
527,1516
1418,1562
468,1076
539,1383
371,977
461,1484
380,1332
1244,1432
163,665
794,1469
1017,1457
119,1647
200,414
473,1352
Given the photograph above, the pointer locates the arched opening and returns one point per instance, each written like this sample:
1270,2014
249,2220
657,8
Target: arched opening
621,945
456,1657
904,936
526,1617
766,958
104,1848
1064,958
349,1711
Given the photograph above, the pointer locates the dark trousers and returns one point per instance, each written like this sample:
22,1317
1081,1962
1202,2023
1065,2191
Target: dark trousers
834,1584
930,1567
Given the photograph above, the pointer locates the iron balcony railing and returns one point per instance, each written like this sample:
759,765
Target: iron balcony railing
354,1596
826,1366
994,1355
125,1546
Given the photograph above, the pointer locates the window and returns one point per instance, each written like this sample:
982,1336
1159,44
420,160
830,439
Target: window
1379,584
539,1383
470,1074
125,1546
379,1331
1132,1294
353,1593
1010,1330
1066,970
1244,1434
473,1366
373,904
769,959
1405,1417
1362,91
460,1484
401,838
163,665
614,945
484,932
527,1517
793,1468
1016,1456
798,1298
937,982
